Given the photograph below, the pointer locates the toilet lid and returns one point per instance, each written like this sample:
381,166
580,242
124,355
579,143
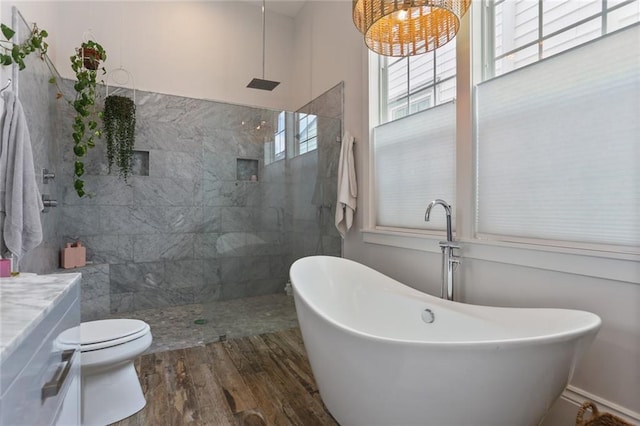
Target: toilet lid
104,332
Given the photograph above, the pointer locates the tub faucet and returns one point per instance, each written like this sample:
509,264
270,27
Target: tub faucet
449,259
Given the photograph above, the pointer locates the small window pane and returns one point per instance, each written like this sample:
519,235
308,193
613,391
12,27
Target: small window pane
446,61
398,109
421,101
307,133
624,16
559,14
421,71
572,37
397,79
446,91
516,25
516,60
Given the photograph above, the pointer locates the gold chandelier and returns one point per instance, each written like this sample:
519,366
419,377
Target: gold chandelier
408,27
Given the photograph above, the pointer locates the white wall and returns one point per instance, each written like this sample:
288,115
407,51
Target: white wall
205,50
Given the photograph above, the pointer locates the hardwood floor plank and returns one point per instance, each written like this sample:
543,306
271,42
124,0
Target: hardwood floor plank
298,364
181,396
288,384
236,391
275,412
253,381
212,403
273,382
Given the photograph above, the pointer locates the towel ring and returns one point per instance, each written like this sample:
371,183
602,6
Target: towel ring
122,83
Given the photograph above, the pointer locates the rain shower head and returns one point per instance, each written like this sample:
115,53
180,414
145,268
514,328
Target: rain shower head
261,83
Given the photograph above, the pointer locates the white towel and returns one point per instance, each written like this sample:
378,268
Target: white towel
347,186
20,198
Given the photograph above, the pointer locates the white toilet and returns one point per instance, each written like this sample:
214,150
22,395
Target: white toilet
110,387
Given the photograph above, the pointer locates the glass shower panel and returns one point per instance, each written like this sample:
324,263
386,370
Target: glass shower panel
265,224
313,192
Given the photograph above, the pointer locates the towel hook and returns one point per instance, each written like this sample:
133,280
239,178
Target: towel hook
6,86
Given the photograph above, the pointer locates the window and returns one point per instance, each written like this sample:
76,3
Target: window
279,138
410,85
415,146
307,135
525,31
553,131
557,141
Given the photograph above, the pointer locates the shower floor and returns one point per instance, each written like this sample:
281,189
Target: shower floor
175,327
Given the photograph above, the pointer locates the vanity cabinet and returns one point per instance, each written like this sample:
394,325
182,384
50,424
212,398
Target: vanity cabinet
39,377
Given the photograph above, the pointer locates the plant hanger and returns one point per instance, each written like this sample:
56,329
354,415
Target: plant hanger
122,72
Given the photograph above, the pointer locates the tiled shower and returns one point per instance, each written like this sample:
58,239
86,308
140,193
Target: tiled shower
207,215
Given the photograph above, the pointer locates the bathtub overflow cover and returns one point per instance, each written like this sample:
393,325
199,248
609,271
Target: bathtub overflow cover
428,316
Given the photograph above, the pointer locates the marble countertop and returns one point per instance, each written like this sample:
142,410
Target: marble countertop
24,301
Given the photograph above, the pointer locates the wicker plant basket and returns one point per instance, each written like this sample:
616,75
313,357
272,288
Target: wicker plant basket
597,418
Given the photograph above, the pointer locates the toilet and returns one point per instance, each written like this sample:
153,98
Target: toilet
110,388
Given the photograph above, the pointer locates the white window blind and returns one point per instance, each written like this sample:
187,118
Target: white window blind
558,146
414,164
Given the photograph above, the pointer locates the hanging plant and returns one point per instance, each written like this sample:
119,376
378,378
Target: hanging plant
119,126
87,63
15,53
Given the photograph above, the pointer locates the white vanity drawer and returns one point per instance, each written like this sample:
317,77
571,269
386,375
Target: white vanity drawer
36,376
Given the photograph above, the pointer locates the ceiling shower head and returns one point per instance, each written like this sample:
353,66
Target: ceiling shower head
262,83
259,83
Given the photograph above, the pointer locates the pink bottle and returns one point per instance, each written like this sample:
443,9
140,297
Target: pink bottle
5,268
73,255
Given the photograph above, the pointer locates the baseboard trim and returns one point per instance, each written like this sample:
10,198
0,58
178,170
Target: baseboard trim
577,397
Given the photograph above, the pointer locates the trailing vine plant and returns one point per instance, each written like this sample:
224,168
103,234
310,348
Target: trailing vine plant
15,53
87,63
119,127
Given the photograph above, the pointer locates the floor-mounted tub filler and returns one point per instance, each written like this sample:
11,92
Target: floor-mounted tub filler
383,353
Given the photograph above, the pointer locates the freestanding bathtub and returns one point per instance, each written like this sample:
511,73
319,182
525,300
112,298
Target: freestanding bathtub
383,353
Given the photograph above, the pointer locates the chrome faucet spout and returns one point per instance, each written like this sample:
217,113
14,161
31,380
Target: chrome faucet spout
447,209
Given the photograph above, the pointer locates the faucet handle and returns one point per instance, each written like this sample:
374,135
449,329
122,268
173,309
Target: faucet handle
48,202
450,244
47,176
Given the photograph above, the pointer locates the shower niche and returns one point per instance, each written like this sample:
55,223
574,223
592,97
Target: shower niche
140,163
247,169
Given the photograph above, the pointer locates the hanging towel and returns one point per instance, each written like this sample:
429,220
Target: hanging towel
20,198
347,186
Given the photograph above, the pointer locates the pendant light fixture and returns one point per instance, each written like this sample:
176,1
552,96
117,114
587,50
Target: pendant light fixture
408,27
261,83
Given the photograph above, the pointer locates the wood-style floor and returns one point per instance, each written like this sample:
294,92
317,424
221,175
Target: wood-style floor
256,380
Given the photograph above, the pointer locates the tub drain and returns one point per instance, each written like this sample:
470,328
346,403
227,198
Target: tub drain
428,316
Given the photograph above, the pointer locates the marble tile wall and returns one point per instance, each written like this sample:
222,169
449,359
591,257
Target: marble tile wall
190,232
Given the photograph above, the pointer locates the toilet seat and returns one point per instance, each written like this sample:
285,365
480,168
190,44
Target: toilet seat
101,334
